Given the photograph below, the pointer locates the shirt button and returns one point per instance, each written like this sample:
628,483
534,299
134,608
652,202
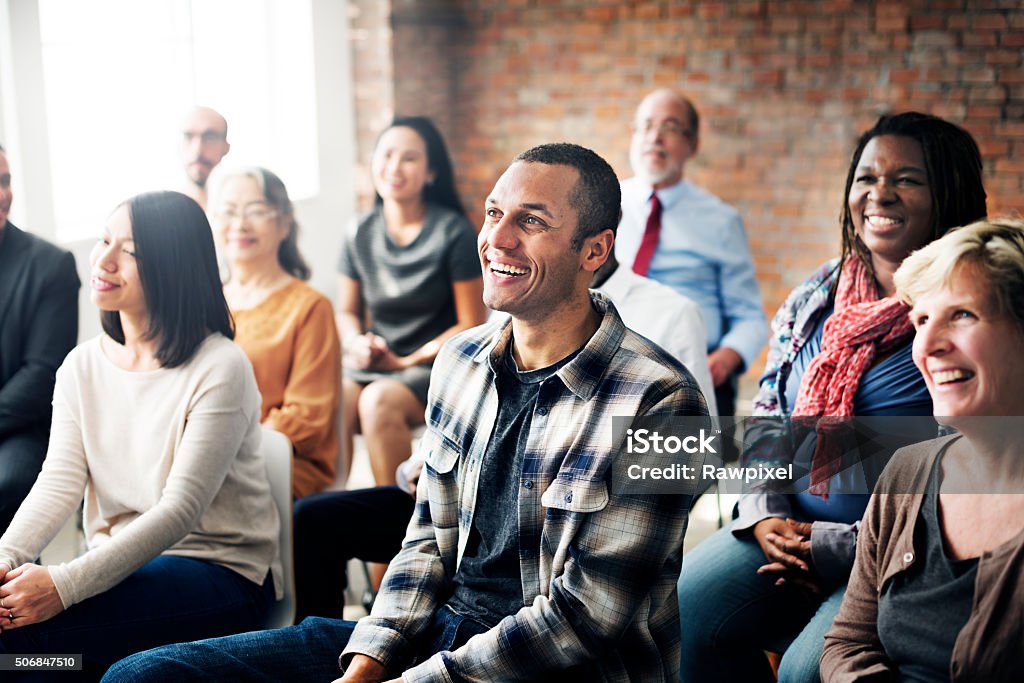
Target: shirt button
568,497
542,410
528,484
908,558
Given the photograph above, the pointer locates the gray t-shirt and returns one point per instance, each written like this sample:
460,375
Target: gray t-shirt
408,289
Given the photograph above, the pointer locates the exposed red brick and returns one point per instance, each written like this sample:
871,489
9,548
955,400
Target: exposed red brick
711,9
1009,165
927,22
984,111
1011,129
1009,57
989,21
599,13
987,94
904,75
934,39
985,75
991,148
784,88
891,23
981,39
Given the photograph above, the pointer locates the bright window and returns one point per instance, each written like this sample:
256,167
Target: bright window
119,75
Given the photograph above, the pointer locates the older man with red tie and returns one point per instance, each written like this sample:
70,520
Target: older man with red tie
681,235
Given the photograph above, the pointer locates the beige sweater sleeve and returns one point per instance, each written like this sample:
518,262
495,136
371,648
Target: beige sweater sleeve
57,491
216,421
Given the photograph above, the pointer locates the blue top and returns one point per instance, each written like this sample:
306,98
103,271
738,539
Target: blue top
703,254
893,386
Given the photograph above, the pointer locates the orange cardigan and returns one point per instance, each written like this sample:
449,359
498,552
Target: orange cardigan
292,343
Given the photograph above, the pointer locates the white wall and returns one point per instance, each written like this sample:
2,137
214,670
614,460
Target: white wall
23,130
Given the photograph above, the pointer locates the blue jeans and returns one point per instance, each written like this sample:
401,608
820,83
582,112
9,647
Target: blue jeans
730,615
168,599
307,652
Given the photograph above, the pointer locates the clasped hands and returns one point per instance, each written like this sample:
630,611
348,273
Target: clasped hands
369,351
27,596
786,544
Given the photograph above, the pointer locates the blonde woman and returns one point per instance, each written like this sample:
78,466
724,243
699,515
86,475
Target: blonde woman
937,590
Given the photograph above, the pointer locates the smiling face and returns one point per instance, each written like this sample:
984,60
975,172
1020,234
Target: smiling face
248,228
662,139
530,268
968,354
114,279
890,199
400,166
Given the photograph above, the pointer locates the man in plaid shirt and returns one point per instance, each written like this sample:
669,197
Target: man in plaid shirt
521,562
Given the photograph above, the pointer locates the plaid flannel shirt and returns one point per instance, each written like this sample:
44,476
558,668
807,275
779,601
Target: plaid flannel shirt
598,569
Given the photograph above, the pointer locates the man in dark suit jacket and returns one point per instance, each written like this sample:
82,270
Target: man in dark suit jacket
38,326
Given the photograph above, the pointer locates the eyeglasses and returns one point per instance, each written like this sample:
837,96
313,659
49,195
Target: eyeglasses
668,128
251,214
207,137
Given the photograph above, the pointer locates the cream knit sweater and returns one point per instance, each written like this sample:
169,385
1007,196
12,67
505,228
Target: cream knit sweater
167,461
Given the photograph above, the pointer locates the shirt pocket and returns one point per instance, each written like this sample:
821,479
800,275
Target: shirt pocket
573,495
440,453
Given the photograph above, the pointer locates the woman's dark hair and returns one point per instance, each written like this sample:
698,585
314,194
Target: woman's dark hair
953,164
180,279
441,190
275,194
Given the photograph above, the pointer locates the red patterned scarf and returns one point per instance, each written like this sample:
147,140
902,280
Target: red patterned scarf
861,327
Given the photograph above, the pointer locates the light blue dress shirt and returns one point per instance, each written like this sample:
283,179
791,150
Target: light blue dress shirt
703,254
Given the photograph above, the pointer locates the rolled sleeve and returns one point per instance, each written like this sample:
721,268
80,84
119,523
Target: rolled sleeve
833,549
753,507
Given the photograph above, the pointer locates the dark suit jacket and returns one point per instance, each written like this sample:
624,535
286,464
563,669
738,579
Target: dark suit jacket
38,326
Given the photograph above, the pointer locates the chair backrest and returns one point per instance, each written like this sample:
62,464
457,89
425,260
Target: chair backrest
277,454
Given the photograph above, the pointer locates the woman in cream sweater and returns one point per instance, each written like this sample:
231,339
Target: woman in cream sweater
156,423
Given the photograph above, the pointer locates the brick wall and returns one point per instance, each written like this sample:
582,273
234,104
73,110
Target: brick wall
370,34
784,89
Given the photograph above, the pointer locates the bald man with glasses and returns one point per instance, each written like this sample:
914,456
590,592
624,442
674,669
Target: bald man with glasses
204,142
683,236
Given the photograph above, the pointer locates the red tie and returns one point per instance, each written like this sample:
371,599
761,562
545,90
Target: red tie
650,241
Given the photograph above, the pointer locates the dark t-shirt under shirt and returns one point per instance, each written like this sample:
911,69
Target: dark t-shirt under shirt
488,585
922,610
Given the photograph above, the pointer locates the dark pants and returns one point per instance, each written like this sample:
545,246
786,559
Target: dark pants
725,397
168,600
21,458
334,527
